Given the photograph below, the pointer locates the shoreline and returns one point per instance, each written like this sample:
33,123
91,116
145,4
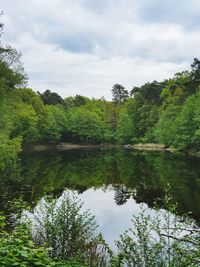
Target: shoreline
71,146
153,147
65,146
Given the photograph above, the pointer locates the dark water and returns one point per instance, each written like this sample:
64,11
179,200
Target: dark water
111,183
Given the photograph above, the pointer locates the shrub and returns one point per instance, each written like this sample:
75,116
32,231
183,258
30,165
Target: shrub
160,240
69,232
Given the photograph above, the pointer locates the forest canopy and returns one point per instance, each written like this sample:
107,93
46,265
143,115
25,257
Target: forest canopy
166,112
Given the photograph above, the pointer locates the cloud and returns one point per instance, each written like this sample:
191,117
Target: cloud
84,46
181,12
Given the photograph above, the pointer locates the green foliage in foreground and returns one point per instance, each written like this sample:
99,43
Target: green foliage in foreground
160,240
18,249
70,232
64,235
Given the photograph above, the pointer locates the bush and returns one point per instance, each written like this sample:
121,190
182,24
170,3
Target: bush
160,240
9,148
68,231
17,248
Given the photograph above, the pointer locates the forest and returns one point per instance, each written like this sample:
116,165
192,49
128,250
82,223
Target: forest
162,112
165,112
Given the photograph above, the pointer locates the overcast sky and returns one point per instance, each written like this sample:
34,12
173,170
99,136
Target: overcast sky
85,46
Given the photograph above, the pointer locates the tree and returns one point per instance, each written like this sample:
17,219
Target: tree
196,70
195,76
1,25
165,128
25,121
125,127
52,124
122,194
9,149
51,98
187,124
160,240
80,100
120,94
85,125
12,73
76,101
150,91
62,225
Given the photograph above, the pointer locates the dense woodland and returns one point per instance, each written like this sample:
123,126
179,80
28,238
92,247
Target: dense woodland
166,112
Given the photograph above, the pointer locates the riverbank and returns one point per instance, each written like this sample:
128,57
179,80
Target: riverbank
153,146
161,147
66,146
71,146
26,148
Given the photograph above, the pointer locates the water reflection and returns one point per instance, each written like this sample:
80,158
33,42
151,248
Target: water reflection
135,177
112,219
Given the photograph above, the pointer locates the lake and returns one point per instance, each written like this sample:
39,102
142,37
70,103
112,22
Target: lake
112,183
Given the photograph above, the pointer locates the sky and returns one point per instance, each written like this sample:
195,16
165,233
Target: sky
86,46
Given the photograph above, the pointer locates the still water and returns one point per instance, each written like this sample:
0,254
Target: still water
111,183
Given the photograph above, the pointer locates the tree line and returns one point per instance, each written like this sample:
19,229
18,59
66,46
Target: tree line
166,112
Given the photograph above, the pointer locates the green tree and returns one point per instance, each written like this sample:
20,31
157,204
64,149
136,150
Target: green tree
125,127
164,130
12,73
120,94
159,240
25,121
51,98
187,124
196,72
80,100
150,91
68,230
9,147
51,124
85,125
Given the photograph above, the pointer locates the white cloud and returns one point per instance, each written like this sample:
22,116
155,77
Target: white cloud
84,47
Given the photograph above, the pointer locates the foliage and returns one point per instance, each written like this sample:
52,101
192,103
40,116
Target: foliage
38,173
65,236
125,126
79,100
164,129
183,132
51,98
76,101
18,249
12,72
120,94
52,123
86,125
25,122
160,240
166,112
195,76
9,149
150,91
68,231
